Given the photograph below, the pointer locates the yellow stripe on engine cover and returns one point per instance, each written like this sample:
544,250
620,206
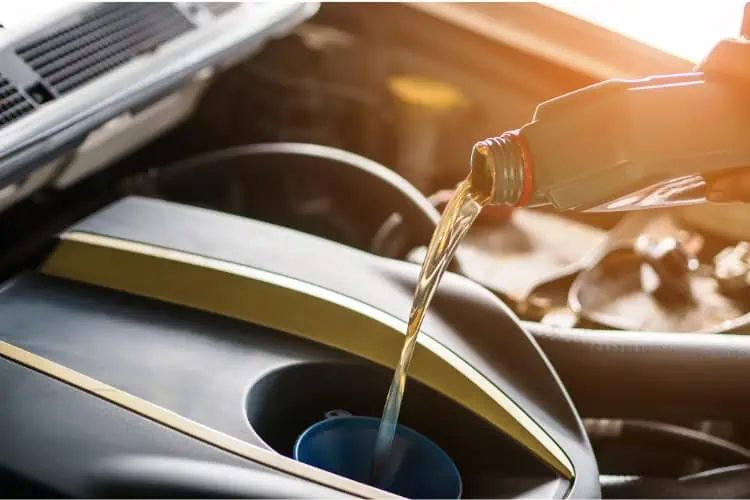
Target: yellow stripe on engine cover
184,425
298,308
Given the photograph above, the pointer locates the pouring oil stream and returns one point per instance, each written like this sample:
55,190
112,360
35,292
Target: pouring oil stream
458,216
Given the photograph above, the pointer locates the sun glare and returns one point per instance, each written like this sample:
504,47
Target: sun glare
687,29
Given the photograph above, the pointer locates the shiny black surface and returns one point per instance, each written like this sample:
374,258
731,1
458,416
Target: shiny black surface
204,366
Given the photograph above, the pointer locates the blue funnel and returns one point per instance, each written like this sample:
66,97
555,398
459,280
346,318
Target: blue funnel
417,467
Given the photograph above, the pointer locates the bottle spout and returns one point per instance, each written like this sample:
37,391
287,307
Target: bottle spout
482,173
499,172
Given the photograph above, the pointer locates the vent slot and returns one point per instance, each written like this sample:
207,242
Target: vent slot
13,104
218,9
105,38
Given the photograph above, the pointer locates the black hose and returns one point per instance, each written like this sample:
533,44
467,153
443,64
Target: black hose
388,191
650,375
684,441
726,482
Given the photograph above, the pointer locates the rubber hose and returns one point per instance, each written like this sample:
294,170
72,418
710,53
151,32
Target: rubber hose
649,375
726,482
683,440
375,181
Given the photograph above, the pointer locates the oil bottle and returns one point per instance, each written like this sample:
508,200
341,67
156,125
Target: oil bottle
620,145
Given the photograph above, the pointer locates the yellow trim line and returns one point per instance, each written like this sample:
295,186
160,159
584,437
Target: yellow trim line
186,426
297,308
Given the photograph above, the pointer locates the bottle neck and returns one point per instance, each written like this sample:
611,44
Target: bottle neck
500,170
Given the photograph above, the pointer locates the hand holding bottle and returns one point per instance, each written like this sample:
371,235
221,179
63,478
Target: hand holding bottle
730,58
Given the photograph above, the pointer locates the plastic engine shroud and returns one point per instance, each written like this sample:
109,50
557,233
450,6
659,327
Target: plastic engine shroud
186,338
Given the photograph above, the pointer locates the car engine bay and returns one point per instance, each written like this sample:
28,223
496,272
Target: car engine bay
350,123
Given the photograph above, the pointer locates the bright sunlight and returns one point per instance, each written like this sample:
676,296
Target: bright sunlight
687,29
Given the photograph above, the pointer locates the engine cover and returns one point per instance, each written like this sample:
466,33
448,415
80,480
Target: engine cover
170,350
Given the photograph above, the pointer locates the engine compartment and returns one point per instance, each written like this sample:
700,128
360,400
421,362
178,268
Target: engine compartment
327,84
